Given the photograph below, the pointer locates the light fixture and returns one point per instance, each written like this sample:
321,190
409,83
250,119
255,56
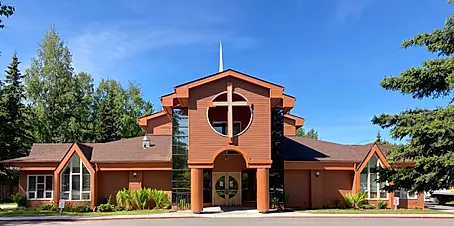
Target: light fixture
134,174
317,173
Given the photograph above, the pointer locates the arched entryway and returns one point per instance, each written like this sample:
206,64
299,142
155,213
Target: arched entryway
227,181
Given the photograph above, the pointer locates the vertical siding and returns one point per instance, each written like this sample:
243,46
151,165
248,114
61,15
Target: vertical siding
157,179
203,141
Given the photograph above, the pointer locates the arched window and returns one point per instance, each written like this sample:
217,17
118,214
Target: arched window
368,180
75,180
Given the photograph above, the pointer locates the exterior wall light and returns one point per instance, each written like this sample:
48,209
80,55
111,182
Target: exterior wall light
134,174
317,173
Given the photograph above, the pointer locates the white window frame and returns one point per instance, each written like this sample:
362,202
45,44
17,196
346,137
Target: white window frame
407,196
81,178
379,189
36,187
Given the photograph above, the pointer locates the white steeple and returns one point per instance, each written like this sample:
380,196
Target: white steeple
221,66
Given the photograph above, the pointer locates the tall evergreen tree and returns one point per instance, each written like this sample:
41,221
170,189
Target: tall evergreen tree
107,120
430,132
15,138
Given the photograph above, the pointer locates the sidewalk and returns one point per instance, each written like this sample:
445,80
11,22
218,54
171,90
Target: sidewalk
232,214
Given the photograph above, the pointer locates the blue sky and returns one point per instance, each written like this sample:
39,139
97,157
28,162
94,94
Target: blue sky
330,54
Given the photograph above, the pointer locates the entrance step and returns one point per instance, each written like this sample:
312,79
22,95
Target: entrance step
230,210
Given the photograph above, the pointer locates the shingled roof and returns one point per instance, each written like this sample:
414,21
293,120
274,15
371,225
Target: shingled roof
306,149
125,150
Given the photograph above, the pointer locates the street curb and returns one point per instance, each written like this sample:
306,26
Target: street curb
72,219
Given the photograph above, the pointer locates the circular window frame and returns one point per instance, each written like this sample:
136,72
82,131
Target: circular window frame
250,118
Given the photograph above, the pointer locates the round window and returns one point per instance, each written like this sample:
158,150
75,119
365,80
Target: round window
218,114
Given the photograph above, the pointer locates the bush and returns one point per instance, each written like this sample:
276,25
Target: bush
119,208
124,199
355,200
158,197
142,197
382,204
82,209
106,207
19,199
167,202
46,207
367,206
20,208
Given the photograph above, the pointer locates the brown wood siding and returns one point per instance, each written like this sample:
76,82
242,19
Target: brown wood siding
233,163
297,184
161,180
336,185
203,141
109,183
289,127
160,126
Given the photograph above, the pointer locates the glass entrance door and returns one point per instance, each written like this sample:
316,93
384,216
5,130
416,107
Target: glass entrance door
226,188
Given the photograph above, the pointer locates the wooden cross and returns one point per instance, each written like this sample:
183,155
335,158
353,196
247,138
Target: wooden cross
229,103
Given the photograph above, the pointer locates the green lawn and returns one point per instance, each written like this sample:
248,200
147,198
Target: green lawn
373,211
19,213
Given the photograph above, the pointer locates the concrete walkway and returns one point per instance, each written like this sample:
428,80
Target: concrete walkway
216,212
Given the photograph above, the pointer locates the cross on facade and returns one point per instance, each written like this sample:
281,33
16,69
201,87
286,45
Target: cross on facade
230,104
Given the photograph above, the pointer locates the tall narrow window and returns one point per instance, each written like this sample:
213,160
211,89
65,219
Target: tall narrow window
75,180
368,180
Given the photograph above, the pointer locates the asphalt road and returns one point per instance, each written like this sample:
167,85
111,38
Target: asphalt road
253,222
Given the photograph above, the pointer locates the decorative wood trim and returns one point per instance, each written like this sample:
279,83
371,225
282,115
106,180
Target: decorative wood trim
133,168
299,121
298,165
374,150
38,168
74,149
143,122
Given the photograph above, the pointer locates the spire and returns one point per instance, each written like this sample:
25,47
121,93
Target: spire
221,66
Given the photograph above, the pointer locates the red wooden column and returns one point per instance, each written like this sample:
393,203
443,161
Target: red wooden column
263,192
196,190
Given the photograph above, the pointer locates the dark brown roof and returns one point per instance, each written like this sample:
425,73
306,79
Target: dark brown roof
125,150
130,150
306,149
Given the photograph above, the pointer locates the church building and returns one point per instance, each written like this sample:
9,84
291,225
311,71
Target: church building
227,139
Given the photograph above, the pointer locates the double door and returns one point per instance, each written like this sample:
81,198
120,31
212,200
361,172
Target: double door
227,188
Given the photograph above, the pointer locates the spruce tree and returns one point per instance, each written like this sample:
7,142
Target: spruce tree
107,120
429,132
15,137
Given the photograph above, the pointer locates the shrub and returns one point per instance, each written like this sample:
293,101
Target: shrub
158,197
367,206
355,200
82,209
382,204
20,208
142,197
106,207
182,204
119,208
19,199
415,207
124,198
46,207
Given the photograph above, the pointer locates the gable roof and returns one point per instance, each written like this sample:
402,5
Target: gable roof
125,150
222,74
306,149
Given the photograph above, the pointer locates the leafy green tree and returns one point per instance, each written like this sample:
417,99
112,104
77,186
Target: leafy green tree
6,11
14,133
430,131
312,133
51,88
379,140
